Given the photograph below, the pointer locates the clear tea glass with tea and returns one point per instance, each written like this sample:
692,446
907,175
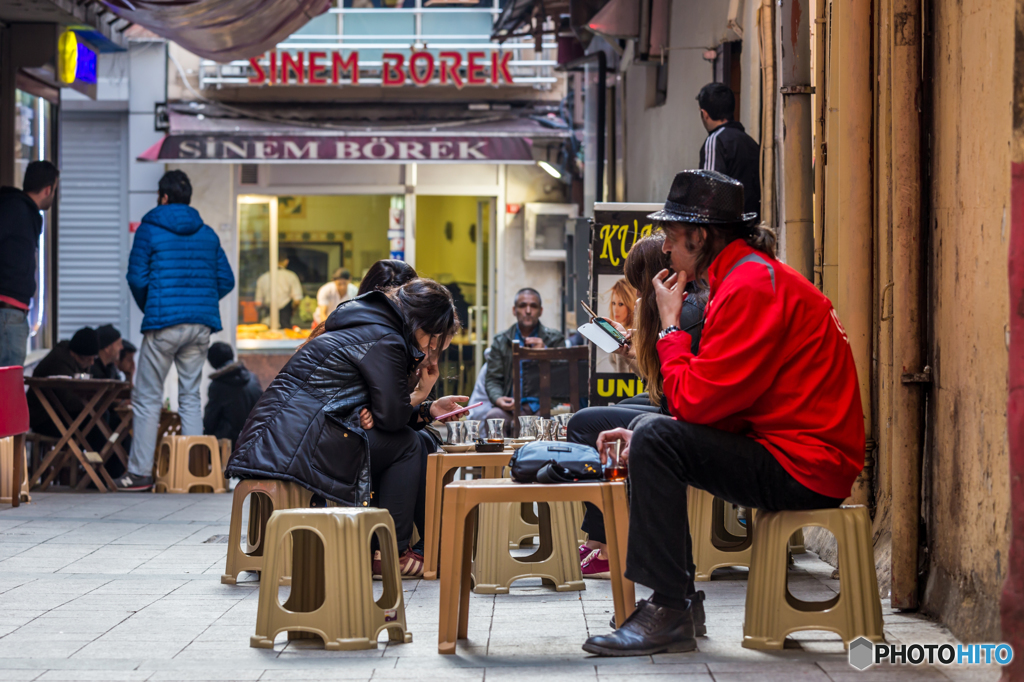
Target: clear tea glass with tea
495,430
615,467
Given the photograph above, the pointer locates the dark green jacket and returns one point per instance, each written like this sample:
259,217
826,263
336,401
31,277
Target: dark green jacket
499,364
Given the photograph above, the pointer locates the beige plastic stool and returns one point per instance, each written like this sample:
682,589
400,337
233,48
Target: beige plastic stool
772,612
556,560
268,496
524,528
713,545
181,465
331,599
7,471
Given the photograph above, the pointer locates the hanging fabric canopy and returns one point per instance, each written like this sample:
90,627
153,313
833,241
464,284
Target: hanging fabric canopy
221,30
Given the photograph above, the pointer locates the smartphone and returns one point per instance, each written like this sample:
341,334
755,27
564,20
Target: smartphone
467,408
605,326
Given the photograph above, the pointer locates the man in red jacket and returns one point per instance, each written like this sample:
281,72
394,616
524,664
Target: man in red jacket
766,415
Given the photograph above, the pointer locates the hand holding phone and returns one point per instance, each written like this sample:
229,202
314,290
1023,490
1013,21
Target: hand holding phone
467,408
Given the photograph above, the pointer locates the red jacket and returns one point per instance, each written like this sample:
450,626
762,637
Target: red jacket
774,364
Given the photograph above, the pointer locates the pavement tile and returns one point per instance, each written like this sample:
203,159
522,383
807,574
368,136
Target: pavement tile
96,675
17,675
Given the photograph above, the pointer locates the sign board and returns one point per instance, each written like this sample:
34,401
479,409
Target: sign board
311,67
617,226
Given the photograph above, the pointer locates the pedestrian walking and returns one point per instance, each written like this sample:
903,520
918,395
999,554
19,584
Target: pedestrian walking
21,223
178,273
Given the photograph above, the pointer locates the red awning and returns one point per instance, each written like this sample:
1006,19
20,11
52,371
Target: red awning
221,30
237,140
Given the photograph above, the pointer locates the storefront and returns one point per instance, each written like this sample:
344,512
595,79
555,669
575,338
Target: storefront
292,200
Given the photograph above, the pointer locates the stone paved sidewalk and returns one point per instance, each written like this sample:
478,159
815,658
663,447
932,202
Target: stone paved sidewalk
127,587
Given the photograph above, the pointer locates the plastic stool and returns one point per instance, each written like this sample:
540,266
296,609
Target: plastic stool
268,496
7,471
181,466
772,612
713,545
524,527
461,500
556,561
331,599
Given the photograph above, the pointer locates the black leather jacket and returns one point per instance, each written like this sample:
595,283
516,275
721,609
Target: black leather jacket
305,427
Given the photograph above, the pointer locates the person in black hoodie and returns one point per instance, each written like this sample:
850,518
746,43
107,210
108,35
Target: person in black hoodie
233,393
342,417
728,149
20,227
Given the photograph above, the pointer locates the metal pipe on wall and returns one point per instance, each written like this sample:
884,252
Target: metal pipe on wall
907,308
793,42
848,207
818,131
766,43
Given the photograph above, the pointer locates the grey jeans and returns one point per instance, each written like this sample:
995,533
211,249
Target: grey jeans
13,337
185,345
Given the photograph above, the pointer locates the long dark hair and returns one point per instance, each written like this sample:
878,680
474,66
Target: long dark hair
710,240
428,307
645,260
386,274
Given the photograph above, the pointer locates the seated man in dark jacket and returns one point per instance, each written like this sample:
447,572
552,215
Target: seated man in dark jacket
233,392
529,332
67,359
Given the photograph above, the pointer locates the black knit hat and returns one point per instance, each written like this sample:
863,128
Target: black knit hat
219,354
705,197
84,342
107,335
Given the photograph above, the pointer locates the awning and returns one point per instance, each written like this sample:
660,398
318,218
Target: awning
232,140
221,30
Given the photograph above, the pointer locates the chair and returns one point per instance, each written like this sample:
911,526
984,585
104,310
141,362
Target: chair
268,496
772,612
14,424
459,520
332,599
544,357
182,465
714,546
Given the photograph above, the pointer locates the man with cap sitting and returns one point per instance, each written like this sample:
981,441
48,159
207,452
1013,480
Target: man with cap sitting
233,392
767,414
67,359
110,344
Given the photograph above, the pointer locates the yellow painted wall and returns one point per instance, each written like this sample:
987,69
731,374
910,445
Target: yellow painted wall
364,216
437,256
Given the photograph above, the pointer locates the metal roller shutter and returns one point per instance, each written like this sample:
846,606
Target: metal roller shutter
93,232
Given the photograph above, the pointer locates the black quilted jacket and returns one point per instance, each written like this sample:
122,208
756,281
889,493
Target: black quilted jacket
305,427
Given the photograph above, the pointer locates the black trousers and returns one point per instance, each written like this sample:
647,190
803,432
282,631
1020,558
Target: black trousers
666,456
398,474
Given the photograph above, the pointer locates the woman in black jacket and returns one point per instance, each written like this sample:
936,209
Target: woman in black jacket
378,352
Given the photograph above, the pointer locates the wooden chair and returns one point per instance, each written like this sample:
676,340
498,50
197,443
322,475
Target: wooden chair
544,357
14,422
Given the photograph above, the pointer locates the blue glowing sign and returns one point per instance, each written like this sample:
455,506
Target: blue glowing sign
86,71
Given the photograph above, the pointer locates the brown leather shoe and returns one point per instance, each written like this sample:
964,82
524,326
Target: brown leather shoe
652,629
696,607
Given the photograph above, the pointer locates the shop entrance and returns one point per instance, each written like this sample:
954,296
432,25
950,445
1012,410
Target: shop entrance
310,238
452,247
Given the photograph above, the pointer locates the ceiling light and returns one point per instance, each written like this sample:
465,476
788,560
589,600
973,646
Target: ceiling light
551,170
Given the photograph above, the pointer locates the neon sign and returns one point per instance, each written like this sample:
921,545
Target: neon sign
421,68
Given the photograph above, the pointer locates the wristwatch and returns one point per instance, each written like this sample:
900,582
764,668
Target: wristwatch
668,330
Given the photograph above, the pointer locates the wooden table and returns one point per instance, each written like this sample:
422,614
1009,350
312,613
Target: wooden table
99,395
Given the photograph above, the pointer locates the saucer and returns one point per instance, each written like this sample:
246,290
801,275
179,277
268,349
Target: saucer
458,448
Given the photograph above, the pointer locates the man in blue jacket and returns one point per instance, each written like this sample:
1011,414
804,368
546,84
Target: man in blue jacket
178,273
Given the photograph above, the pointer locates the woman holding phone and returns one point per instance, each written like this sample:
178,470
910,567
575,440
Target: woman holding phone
378,353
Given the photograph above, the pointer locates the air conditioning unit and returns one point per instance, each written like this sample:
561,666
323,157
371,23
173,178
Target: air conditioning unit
544,231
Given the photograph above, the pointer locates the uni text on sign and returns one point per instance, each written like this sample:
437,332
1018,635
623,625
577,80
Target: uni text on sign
310,67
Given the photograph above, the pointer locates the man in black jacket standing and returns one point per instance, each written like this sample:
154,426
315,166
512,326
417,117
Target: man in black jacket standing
728,149
233,392
20,227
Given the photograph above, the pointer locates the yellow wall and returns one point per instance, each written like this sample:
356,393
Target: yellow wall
438,257
365,216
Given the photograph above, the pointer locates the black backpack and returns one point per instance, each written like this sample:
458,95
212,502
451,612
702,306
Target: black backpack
549,461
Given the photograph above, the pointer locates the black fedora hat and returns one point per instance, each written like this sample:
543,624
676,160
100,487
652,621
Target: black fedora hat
705,197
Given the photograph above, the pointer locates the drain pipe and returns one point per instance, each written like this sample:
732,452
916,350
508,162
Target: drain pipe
793,44
908,311
601,60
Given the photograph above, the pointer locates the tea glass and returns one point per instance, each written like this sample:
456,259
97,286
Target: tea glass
615,468
495,430
472,430
456,433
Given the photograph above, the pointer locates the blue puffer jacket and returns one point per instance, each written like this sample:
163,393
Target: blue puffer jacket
177,270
